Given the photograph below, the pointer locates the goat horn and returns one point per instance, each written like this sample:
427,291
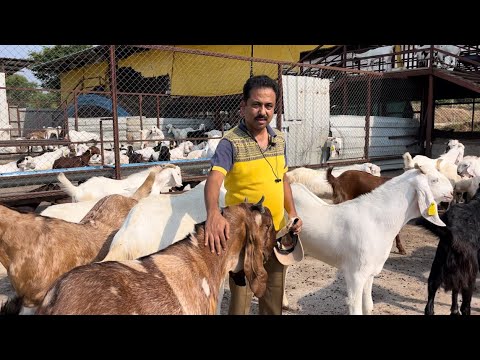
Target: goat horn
259,205
260,202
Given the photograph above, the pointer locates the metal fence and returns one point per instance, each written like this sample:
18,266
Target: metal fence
129,100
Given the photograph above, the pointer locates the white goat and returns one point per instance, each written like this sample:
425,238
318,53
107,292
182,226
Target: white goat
374,64
99,186
440,59
469,186
356,236
181,151
159,221
469,166
22,164
109,158
75,211
181,133
82,136
146,152
45,161
445,167
150,137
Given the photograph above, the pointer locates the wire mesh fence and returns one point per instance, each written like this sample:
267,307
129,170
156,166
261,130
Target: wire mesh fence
110,110
454,115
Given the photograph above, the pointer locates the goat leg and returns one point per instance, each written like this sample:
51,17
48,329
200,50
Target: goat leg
435,277
399,245
454,307
466,299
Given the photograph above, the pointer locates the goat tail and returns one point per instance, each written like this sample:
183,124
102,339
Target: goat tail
12,306
332,180
146,188
67,185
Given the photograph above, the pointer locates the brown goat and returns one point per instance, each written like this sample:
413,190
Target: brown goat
183,278
76,161
36,250
351,184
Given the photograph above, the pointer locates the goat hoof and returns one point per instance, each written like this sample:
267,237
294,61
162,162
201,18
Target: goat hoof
402,252
455,312
429,312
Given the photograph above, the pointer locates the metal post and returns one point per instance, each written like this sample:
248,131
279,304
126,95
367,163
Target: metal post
158,111
280,98
75,104
367,118
473,112
140,99
101,143
113,89
429,124
20,126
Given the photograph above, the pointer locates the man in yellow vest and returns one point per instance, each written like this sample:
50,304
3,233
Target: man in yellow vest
251,160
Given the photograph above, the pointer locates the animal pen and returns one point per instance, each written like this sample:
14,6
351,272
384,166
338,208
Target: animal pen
115,96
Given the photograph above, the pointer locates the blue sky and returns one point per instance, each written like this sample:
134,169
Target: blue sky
21,52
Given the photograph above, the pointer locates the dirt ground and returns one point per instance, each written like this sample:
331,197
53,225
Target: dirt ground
314,288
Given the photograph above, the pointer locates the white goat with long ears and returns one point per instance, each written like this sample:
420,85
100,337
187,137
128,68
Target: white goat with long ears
75,211
356,236
469,166
453,155
97,187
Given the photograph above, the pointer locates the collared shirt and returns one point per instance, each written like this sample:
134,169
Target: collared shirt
250,172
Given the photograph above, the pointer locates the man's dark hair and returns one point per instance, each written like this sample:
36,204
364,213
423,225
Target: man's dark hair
259,81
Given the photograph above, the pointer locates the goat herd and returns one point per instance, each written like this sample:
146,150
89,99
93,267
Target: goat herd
129,247
147,146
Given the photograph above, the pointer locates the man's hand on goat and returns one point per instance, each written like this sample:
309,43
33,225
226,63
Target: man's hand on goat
217,230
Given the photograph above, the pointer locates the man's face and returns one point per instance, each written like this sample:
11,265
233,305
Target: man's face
259,108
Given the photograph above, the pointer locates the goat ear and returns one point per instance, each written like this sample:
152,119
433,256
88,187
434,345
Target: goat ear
426,203
423,168
408,161
470,170
253,263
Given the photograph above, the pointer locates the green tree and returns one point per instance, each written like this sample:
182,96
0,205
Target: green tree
50,76
29,98
20,98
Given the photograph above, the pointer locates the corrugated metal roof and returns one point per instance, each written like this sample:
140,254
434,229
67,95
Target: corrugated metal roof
10,66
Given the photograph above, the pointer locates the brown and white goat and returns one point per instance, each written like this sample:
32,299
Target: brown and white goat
351,184
36,250
76,161
183,278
